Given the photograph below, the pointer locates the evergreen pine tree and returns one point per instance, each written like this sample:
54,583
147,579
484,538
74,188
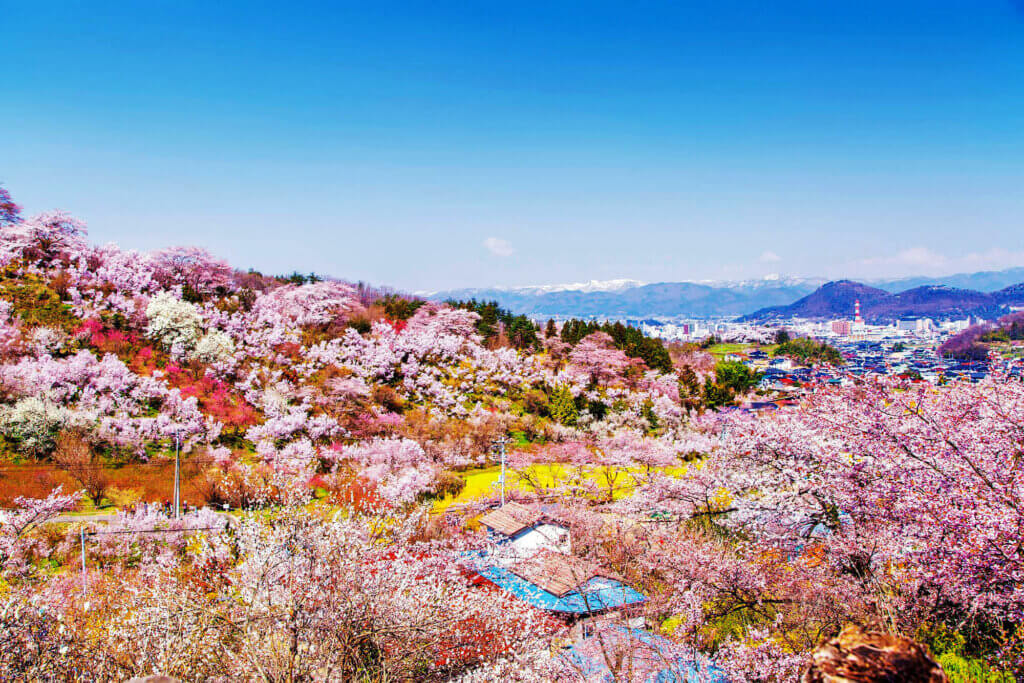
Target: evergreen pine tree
563,407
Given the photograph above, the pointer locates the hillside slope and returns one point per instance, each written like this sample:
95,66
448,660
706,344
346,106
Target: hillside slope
837,299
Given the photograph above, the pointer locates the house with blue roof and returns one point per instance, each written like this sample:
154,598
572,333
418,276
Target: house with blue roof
579,593
531,560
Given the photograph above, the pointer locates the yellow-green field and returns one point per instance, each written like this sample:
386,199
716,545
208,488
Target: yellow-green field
484,481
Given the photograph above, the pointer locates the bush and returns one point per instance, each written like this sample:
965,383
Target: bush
535,401
173,322
563,407
388,398
961,670
122,498
449,484
33,424
38,306
214,347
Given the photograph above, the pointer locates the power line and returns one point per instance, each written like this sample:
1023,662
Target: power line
96,466
157,531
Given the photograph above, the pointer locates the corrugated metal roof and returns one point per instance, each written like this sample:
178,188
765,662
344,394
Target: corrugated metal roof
596,595
511,518
558,573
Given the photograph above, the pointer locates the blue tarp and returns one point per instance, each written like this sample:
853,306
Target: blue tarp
660,659
600,593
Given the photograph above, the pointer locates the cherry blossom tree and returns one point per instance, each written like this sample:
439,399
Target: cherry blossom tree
42,240
191,267
174,323
597,357
16,543
399,467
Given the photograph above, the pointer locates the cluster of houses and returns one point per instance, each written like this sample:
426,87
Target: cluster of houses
783,381
530,557
919,361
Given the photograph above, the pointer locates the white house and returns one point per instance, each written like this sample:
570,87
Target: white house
525,531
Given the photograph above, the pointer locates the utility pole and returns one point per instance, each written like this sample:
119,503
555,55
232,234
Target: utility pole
501,443
85,584
177,477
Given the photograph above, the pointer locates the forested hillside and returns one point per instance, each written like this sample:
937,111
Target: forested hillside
333,440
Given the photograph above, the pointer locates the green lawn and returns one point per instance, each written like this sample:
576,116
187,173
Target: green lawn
720,351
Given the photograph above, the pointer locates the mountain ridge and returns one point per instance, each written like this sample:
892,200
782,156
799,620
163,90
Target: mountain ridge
624,297
836,300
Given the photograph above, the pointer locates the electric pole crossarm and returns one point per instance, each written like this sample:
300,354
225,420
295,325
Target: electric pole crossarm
500,444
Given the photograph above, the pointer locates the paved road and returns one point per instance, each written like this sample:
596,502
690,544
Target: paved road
69,519
109,517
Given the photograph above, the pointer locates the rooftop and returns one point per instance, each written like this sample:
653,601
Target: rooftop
595,595
558,573
511,519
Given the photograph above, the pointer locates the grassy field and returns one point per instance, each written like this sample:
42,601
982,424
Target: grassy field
720,351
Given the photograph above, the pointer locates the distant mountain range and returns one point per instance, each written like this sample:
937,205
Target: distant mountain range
638,300
987,281
712,299
836,300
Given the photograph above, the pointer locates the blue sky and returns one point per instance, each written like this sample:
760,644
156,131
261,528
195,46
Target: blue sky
433,145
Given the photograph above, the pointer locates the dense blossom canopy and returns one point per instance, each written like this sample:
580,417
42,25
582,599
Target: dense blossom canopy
341,424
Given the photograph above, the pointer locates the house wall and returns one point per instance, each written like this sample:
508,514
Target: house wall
540,537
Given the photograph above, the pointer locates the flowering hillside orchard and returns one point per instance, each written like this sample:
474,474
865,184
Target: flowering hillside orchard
329,417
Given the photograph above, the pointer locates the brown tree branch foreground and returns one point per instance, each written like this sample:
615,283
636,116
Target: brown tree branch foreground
857,657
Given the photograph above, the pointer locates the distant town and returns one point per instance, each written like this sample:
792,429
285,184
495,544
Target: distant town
906,348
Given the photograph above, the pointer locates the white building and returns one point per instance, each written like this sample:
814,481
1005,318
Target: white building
524,532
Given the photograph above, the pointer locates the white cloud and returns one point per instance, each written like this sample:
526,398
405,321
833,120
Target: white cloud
922,260
498,246
915,257
769,257
995,258
921,256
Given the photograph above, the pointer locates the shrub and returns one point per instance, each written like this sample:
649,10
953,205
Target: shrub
37,305
124,497
563,407
449,484
214,347
535,401
962,670
173,322
388,398
33,424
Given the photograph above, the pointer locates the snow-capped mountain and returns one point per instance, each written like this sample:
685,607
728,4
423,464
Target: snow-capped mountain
627,298
632,298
